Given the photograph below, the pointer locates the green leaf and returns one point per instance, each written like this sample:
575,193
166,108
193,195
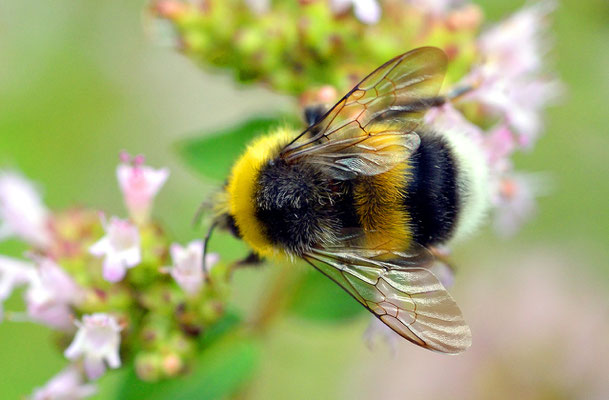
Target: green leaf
229,321
218,371
318,298
212,154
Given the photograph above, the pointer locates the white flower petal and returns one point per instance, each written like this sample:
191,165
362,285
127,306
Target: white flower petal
75,349
211,259
367,11
66,385
100,247
114,269
94,367
131,257
187,269
22,212
121,247
97,339
14,273
113,359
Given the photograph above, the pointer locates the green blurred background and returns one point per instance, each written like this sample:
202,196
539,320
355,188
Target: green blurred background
81,80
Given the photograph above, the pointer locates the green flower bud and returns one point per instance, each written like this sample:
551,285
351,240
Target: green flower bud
149,366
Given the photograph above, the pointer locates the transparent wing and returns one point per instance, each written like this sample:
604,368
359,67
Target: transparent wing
372,127
400,289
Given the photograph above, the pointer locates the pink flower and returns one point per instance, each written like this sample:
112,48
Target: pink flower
515,201
13,273
435,7
187,269
22,212
520,102
367,11
515,47
66,385
499,144
523,104
51,294
139,184
448,118
97,341
121,248
508,80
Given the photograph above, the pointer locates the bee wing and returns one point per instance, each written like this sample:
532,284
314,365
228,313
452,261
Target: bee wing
372,127
399,289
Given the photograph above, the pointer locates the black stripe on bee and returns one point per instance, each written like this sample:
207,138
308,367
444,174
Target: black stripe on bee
432,197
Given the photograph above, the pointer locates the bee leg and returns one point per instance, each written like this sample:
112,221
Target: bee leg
251,260
442,267
313,113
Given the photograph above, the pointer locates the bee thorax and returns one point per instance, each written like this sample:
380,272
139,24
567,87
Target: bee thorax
294,205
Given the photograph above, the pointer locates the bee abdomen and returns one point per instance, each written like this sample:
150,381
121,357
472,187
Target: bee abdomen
293,204
432,198
446,194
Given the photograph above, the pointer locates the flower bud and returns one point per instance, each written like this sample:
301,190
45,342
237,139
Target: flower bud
149,366
172,364
139,184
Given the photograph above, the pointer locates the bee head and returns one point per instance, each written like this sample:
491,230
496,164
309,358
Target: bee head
238,202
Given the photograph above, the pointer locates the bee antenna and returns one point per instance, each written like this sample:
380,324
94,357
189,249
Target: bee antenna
460,91
205,242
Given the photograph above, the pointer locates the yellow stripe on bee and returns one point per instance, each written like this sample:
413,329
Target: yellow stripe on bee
242,186
379,204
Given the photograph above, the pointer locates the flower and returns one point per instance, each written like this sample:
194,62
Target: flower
499,144
515,47
367,11
13,273
66,385
97,340
435,7
22,212
508,80
121,246
51,294
187,267
515,201
139,184
520,101
448,118
258,6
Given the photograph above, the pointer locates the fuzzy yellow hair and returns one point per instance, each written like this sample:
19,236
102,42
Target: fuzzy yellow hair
241,188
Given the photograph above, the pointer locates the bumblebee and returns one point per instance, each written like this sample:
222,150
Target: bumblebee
365,194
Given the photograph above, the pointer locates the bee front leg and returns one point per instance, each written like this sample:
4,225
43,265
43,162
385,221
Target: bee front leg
251,260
